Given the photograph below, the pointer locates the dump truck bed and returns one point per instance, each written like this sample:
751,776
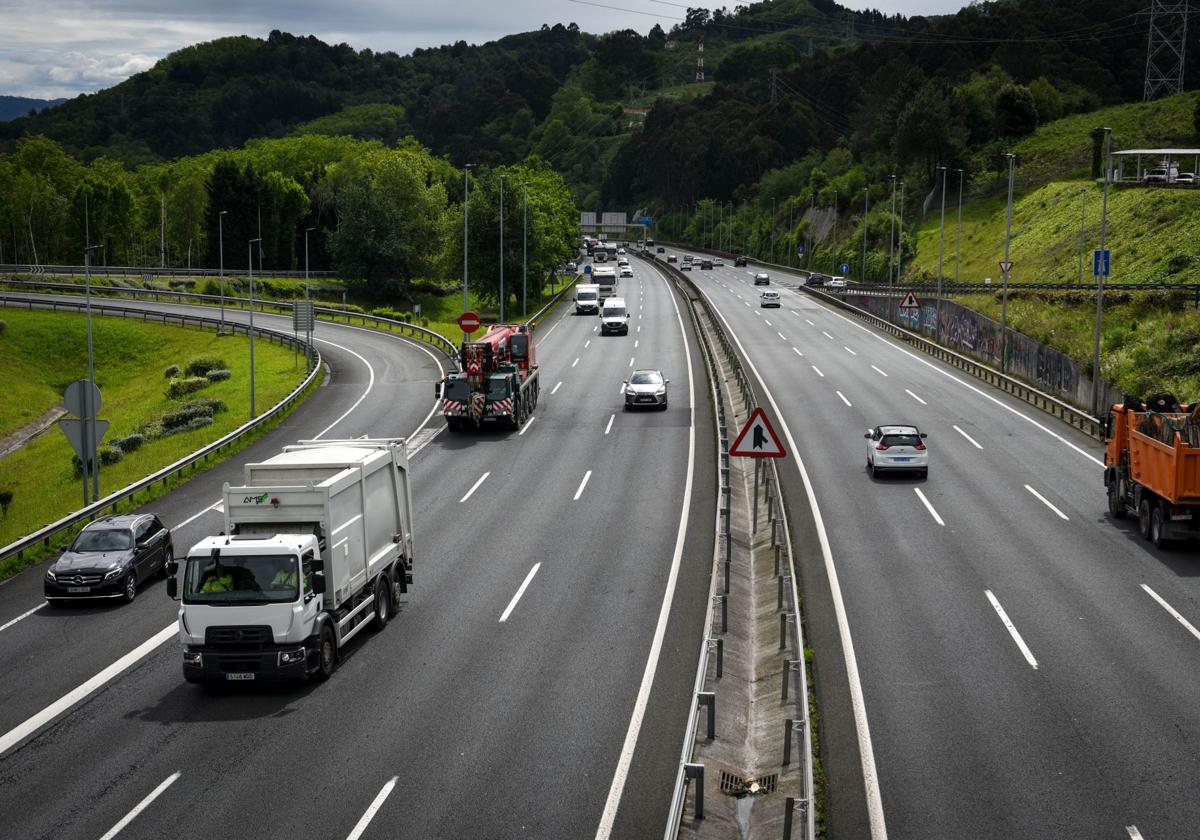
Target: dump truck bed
1171,470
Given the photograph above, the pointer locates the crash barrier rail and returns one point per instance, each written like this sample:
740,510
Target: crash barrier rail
1076,417
137,271
110,502
789,608
266,306
536,317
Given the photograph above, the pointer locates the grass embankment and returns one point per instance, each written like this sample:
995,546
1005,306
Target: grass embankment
43,352
440,312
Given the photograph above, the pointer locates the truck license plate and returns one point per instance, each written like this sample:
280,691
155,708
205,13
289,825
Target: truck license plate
239,676
78,589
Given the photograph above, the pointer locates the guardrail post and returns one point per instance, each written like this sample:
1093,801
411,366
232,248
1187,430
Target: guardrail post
695,772
778,548
780,580
719,645
709,700
784,619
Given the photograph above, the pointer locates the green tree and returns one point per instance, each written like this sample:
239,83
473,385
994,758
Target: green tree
1016,112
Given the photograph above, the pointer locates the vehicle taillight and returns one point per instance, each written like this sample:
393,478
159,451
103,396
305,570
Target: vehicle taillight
920,447
882,447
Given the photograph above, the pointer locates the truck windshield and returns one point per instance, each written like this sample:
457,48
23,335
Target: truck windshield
584,296
232,580
456,389
498,388
614,312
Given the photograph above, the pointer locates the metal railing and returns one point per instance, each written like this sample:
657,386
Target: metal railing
136,271
111,501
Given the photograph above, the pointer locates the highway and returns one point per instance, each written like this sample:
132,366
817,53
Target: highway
535,683
1026,663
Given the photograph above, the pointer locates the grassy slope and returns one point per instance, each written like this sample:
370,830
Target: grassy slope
45,351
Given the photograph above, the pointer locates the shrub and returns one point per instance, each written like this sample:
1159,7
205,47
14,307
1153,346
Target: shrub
130,443
201,365
108,453
218,375
187,385
171,372
6,495
213,405
181,283
3,327
198,422
209,286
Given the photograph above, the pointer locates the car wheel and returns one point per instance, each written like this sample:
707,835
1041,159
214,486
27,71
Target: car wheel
1116,501
1156,527
326,655
664,405
874,471
168,558
1144,518
130,590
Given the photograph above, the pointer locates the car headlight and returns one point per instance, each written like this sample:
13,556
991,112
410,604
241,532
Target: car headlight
50,574
113,572
660,391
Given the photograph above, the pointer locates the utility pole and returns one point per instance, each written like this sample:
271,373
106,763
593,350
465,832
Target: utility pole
221,258
1012,162
900,238
772,228
308,352
812,203
892,239
466,223
1166,48
958,244
1100,274
937,328
501,247
862,274
250,271
162,229
525,250
833,241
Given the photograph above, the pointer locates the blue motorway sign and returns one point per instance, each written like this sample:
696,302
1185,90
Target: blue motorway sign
845,267
587,269
1101,263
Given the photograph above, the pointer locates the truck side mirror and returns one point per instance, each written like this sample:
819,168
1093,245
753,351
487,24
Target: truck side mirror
318,583
437,390
173,588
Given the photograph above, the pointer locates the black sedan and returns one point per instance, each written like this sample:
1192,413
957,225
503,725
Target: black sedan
109,558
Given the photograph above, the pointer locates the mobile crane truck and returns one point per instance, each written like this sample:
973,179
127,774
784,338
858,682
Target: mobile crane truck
497,382
317,546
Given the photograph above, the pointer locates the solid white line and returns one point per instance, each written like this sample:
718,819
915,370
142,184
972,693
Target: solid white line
520,591
1134,834
607,429
843,396
967,436
19,733
818,370
376,804
583,484
915,397
528,423
1012,630
555,389
798,353
192,518
587,344
631,358
1174,614
1046,502
604,830
575,362
25,614
929,507
141,806
848,350
474,487
370,385
877,370
827,335
781,335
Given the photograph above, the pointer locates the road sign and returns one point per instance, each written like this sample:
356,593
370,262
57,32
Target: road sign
73,429
910,302
762,443
468,322
303,316
1005,266
74,398
800,250
587,269
1101,263
845,267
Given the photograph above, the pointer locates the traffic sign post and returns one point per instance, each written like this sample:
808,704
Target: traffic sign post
757,439
82,398
1101,263
910,302
468,322
1005,266
845,267
587,269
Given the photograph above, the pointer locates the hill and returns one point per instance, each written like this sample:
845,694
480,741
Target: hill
12,107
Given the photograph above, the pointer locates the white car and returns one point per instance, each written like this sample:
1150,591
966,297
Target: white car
626,271
622,260
836,283
717,261
768,299
896,448
621,252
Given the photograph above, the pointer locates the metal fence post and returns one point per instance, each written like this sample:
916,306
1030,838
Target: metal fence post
695,772
709,699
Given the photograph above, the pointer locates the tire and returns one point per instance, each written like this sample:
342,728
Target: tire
874,472
1144,518
130,590
168,556
1157,527
383,603
1116,504
923,473
326,655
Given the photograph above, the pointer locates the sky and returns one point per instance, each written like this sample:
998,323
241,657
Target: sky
60,48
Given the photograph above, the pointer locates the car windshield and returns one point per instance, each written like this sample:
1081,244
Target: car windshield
456,389
232,581
901,440
614,312
103,539
645,378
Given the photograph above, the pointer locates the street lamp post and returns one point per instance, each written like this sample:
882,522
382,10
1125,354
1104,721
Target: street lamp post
221,258
91,447
502,247
524,249
250,268
466,224
833,241
1100,274
937,327
862,274
1012,163
308,331
892,245
790,245
772,228
958,234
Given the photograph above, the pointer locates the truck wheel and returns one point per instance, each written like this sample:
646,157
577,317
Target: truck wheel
326,655
383,604
1116,504
1144,518
1157,527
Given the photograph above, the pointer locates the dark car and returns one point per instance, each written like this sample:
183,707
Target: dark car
660,249
762,279
705,264
109,558
739,260
815,279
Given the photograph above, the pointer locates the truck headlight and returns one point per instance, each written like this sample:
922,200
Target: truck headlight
291,657
193,658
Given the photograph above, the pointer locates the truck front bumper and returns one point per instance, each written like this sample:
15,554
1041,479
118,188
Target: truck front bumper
273,664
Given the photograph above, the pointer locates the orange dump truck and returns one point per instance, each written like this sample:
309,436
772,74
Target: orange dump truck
1152,469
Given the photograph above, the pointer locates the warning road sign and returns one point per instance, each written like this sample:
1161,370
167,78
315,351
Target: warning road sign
910,302
1005,266
757,439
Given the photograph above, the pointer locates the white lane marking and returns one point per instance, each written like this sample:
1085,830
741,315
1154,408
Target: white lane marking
798,353
587,344
195,516
607,428
370,385
631,358
827,335
1047,503
474,487
1174,614
141,806
818,370
607,817
810,323
554,390
970,439
635,344
595,328
639,316
525,428
622,391
587,475
843,396
781,335
748,303
575,362
520,591
1012,630
1134,834
877,370
639,329
22,731
857,702
372,810
768,323
25,614
929,507
915,397
848,350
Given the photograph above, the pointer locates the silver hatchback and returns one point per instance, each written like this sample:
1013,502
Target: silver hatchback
646,389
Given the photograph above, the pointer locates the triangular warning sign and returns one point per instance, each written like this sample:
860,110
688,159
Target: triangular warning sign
910,302
757,439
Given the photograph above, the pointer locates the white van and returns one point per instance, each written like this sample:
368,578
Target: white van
614,317
587,299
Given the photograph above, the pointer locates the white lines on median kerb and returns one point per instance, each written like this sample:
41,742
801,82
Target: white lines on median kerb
372,810
1047,503
1174,614
554,390
520,591
474,487
915,397
611,418
843,396
970,439
929,507
25,614
141,806
1012,630
798,353
582,485
827,335
524,429
848,350
877,370
818,370
575,362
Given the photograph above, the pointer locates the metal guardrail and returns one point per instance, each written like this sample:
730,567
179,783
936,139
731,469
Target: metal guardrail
43,535
136,271
536,317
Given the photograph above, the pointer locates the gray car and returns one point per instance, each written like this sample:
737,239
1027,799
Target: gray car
109,558
646,388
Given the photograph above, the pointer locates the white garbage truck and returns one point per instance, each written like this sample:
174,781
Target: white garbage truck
317,546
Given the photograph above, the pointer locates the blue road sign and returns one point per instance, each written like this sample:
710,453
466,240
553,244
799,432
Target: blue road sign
587,269
845,267
644,220
1101,263
800,250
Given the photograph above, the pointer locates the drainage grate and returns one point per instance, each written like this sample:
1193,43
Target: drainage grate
733,785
